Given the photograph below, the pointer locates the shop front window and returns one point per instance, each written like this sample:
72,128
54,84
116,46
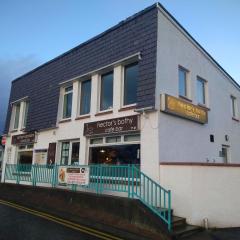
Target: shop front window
25,157
115,154
69,153
116,150
75,152
65,153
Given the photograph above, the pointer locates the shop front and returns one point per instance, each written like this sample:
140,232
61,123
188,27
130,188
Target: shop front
114,141
24,144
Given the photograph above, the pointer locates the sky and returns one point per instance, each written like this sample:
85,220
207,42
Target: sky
33,32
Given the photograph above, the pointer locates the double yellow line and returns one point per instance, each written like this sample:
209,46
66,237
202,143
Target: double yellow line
66,223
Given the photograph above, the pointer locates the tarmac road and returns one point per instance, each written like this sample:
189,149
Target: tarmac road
19,223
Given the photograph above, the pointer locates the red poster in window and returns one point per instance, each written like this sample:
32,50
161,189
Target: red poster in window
4,139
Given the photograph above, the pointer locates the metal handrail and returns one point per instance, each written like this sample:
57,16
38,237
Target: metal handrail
119,178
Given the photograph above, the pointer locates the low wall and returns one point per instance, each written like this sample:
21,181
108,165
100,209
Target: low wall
201,191
110,213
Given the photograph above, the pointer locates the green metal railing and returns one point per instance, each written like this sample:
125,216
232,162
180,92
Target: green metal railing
153,196
115,178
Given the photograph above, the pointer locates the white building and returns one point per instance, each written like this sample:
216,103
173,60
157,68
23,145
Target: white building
143,92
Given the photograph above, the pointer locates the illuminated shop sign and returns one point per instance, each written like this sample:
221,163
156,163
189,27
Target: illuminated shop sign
184,109
115,125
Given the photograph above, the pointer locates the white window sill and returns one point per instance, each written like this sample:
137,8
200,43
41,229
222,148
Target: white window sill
203,106
127,107
64,120
83,116
185,98
108,111
235,119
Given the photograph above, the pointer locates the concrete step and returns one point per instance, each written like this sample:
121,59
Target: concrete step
186,230
178,222
162,210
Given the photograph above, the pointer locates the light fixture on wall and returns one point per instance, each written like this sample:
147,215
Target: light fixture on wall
226,138
102,151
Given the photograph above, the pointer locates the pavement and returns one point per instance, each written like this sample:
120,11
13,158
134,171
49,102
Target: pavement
216,234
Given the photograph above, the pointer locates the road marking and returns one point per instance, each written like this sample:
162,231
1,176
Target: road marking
61,221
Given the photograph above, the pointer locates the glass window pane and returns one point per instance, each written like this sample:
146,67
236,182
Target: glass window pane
17,112
106,101
129,138
113,139
200,91
130,84
85,97
75,153
68,89
182,75
65,153
96,141
30,146
233,99
25,114
67,105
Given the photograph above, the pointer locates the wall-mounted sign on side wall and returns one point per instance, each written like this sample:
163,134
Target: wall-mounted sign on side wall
115,125
23,139
184,109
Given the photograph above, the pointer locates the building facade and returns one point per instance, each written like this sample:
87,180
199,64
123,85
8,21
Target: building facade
143,92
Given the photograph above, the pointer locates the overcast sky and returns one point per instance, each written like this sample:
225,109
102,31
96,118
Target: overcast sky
33,32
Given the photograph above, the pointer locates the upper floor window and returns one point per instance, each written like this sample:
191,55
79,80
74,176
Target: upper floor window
182,82
234,107
25,113
130,83
67,102
201,91
85,98
16,110
106,95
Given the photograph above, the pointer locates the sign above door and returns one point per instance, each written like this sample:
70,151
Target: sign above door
114,125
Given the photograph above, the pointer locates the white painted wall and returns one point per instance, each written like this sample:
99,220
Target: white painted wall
74,129
200,192
181,140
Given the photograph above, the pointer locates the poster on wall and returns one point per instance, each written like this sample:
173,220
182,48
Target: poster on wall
40,156
73,175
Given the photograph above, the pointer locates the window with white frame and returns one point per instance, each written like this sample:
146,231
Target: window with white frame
183,82
130,84
201,91
85,97
67,102
122,139
69,152
16,115
25,114
106,94
234,107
